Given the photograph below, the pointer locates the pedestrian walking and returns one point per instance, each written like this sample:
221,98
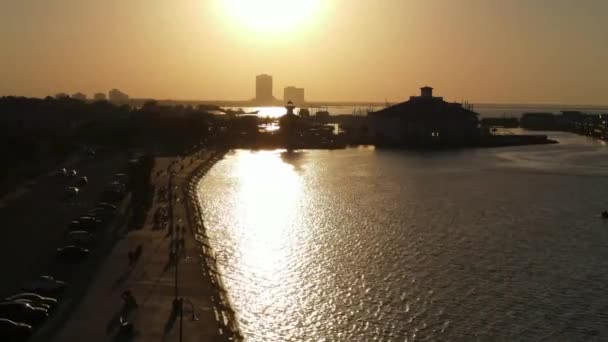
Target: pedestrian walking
129,300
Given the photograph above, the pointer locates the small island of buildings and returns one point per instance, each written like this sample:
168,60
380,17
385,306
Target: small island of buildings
424,121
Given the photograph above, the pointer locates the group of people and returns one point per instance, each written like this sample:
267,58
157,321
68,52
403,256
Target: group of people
161,217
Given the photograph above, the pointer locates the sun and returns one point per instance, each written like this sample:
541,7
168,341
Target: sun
272,16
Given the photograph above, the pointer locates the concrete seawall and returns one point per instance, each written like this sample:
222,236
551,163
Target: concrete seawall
223,311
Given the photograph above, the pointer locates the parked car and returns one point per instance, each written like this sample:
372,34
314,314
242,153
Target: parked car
82,181
85,223
113,194
72,252
121,178
23,313
13,331
90,153
72,191
75,225
115,186
81,238
33,304
35,298
89,219
71,173
46,286
107,206
62,172
101,213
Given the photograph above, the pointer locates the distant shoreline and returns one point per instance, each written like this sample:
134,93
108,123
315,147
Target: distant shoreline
237,103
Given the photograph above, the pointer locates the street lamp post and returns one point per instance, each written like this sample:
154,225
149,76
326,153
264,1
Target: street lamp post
181,316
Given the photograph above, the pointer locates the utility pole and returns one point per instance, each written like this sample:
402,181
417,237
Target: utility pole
181,319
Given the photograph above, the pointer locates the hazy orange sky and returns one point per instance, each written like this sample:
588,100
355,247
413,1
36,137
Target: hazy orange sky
500,51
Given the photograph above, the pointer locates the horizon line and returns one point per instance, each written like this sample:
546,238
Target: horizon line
346,102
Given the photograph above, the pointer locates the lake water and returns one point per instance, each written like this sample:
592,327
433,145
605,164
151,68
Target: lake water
375,245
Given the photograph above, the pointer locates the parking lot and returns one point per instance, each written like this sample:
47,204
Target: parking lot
35,221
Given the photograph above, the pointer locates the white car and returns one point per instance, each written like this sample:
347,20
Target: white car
45,286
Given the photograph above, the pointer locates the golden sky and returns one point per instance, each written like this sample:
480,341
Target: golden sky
499,51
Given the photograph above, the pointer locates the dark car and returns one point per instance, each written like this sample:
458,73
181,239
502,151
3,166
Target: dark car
36,299
82,181
11,331
81,238
100,213
85,223
23,313
72,252
113,193
46,286
107,206
33,304
92,221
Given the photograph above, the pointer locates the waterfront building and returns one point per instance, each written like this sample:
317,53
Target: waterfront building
263,89
99,97
425,120
117,96
293,94
79,96
62,96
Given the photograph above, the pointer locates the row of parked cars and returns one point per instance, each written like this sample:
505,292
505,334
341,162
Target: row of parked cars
82,236
24,312
83,229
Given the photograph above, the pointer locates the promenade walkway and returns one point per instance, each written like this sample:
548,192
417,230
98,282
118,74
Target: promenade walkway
150,276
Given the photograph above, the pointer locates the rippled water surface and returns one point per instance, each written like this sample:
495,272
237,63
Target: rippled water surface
363,244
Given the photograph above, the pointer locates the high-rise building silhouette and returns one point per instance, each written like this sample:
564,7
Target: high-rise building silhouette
293,94
263,89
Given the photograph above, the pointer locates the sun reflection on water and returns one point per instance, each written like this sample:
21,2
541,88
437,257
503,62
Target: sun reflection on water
268,196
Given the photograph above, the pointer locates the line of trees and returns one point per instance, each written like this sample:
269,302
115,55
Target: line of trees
42,132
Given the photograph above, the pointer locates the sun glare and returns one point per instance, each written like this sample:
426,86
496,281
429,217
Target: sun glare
272,16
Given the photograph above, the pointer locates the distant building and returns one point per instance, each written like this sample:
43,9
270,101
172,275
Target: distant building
62,96
99,97
79,96
425,120
117,96
540,121
263,89
293,94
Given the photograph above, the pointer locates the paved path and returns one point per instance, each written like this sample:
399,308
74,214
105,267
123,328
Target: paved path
151,277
